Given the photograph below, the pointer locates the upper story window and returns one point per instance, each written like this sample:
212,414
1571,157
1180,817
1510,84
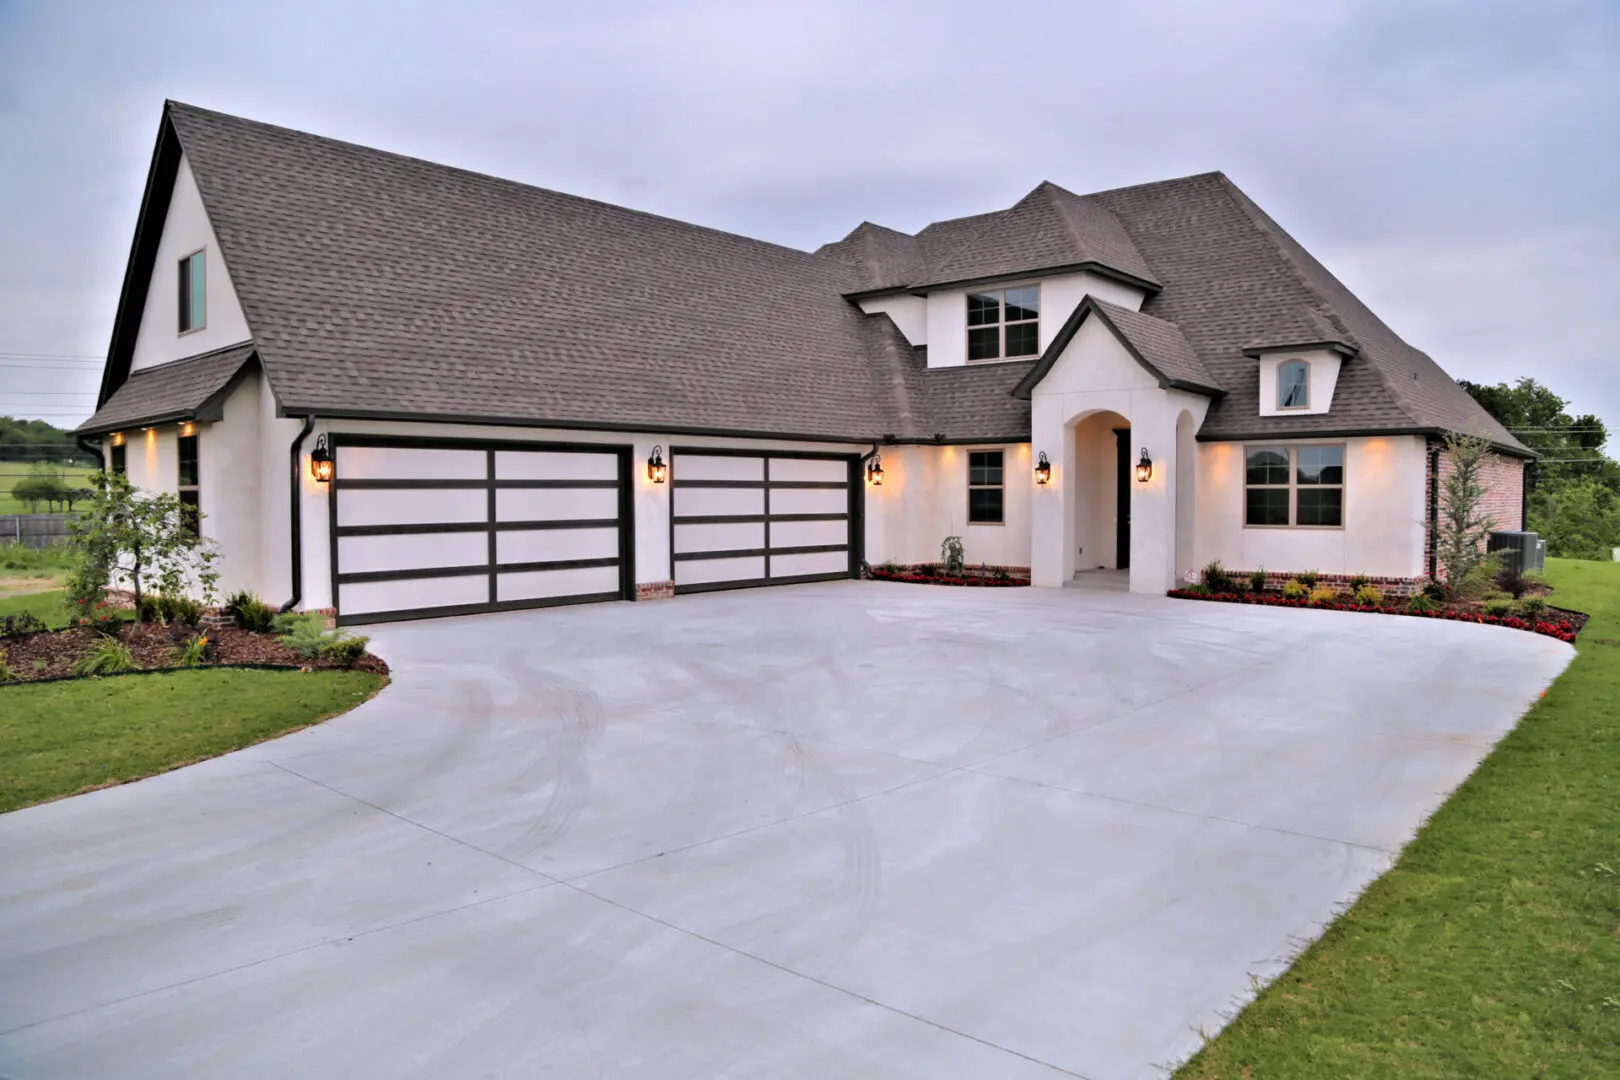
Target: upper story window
1004,323
193,292
986,495
1294,485
1294,385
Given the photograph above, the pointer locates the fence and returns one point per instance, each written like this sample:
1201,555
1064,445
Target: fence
34,530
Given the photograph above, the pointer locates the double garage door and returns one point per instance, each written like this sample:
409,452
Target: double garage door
744,518
439,527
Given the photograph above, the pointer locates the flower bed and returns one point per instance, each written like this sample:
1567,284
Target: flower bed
934,574
1565,626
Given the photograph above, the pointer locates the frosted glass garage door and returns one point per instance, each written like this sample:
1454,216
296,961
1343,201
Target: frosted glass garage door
426,527
747,519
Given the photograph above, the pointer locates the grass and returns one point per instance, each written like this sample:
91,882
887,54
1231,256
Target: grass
13,471
1492,947
46,606
66,737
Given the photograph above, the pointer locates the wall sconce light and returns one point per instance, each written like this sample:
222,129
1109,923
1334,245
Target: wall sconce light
118,438
657,471
874,470
320,461
1144,468
1043,469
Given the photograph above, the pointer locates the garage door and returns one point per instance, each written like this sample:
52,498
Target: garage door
744,518
440,527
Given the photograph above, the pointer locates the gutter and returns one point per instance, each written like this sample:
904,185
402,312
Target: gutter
92,448
1434,514
296,516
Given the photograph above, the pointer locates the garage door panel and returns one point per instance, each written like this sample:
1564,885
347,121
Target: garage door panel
371,597
555,465
802,533
821,562
701,467
548,584
546,545
707,502
389,506
809,470
397,463
809,500
707,571
720,537
368,554
556,504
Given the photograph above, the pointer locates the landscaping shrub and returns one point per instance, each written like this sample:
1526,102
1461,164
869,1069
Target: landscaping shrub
5,668
345,651
248,612
179,609
1359,582
1369,594
98,615
1498,607
1436,591
1511,580
192,653
24,622
952,555
1216,579
1257,580
108,657
1422,604
305,634
1294,589
1532,606
1307,579
1322,594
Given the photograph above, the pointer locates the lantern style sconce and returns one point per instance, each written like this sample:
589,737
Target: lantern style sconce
1043,469
874,470
657,471
320,461
1144,468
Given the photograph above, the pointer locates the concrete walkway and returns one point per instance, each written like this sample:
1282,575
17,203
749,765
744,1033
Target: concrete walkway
848,830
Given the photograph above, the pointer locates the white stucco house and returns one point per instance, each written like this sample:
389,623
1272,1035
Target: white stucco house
398,389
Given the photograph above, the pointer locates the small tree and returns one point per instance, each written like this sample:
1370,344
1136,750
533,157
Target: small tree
1462,527
145,540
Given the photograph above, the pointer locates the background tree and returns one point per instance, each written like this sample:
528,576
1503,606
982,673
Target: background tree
146,541
45,483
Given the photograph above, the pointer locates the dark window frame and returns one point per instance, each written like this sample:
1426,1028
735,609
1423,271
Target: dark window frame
118,459
190,493
1295,485
979,480
1002,324
188,305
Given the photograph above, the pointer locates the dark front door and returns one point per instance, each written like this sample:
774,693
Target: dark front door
1122,498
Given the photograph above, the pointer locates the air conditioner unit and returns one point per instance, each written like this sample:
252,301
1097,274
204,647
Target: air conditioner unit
1520,551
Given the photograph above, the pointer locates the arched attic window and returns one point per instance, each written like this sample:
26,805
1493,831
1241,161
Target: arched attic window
1294,385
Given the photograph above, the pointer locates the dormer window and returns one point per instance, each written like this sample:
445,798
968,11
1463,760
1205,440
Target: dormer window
1294,385
1004,323
193,293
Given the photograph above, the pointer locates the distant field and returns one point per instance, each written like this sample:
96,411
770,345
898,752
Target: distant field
13,471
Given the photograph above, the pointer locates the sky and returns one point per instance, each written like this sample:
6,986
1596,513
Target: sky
1455,163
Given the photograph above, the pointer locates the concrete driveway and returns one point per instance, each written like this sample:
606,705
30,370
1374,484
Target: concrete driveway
848,830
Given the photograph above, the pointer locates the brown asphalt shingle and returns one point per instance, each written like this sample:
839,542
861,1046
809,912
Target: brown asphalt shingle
169,392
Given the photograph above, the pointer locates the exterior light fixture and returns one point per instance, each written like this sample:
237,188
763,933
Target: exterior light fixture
1144,468
1043,469
657,471
118,438
320,461
188,429
874,470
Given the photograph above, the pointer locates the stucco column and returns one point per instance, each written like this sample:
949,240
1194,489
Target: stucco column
1153,504
1051,511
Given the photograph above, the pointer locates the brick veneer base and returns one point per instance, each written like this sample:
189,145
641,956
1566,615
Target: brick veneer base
1389,586
655,590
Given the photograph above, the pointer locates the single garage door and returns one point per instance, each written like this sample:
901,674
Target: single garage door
743,518
426,527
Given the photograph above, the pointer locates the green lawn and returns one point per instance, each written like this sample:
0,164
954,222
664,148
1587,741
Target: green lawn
13,471
64,737
47,606
1492,948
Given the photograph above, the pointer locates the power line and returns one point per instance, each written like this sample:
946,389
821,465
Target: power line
51,356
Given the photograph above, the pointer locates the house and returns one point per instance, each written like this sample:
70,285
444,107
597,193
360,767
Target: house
399,389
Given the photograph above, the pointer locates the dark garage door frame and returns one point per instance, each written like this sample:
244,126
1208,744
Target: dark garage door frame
625,522
853,510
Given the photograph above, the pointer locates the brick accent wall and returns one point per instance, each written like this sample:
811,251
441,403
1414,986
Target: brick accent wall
655,590
1503,477
1390,586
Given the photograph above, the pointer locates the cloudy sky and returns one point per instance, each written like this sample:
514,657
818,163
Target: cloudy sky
1457,164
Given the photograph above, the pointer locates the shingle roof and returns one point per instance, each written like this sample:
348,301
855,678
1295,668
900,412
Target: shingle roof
178,391
1161,345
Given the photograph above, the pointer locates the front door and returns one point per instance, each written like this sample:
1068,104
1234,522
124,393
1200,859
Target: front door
1122,498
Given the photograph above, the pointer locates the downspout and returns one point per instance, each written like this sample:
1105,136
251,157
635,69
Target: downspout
297,514
1524,493
1434,513
92,448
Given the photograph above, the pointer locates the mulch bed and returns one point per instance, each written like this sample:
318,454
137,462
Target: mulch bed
927,574
51,654
1554,622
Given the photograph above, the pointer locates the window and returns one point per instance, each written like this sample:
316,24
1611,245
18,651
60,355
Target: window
1004,323
1294,485
984,487
193,293
119,460
188,481
1294,385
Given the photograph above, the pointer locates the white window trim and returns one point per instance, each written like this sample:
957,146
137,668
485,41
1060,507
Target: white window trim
1001,326
1293,486
1282,367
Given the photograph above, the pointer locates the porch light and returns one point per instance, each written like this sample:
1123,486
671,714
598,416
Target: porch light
657,471
118,438
874,470
320,461
1043,469
1144,468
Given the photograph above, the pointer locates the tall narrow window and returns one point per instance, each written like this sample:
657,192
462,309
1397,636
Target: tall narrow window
1294,385
193,292
188,481
985,492
119,463
1004,323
